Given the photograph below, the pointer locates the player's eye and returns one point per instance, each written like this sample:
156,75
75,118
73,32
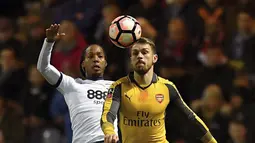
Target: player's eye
90,56
145,52
135,53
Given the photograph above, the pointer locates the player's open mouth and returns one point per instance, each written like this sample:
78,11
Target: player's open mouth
96,67
140,63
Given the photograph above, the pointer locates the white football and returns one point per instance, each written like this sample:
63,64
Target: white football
124,31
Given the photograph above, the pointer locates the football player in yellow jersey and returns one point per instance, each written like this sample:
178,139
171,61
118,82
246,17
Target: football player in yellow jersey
140,100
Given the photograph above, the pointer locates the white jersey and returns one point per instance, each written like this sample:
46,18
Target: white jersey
84,98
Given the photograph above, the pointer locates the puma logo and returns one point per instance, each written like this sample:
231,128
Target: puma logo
127,97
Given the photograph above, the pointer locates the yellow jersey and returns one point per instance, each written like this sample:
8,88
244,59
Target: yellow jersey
141,110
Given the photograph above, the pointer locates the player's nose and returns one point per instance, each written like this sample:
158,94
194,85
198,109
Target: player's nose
96,59
140,55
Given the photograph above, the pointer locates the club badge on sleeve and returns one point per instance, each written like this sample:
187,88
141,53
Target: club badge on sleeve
110,93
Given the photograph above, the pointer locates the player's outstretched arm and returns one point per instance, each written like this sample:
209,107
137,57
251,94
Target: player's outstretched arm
50,73
203,131
110,110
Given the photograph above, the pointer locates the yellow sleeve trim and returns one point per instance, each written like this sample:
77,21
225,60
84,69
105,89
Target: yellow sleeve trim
108,128
208,138
197,118
213,141
201,122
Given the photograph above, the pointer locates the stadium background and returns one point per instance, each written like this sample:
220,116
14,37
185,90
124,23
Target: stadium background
205,47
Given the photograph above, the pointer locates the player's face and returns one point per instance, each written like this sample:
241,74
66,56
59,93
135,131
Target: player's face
94,62
142,58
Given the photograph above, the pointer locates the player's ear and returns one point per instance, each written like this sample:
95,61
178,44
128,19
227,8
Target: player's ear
83,63
155,58
105,64
82,68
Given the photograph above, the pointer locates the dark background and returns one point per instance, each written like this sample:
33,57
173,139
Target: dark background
206,47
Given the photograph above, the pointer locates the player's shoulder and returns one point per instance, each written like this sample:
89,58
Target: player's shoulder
120,81
87,81
106,82
165,81
82,81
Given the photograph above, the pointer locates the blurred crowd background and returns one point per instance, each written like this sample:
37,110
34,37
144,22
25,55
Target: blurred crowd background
206,47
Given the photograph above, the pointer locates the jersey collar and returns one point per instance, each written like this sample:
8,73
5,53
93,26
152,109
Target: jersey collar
95,78
132,79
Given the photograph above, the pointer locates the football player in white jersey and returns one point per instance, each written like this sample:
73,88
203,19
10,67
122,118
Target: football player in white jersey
84,98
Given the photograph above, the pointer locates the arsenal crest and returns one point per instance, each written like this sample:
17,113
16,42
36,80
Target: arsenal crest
159,98
110,93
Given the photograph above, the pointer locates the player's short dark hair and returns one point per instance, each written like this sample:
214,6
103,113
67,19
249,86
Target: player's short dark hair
83,55
81,60
148,41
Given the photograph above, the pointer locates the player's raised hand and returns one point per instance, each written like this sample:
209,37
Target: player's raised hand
52,33
111,139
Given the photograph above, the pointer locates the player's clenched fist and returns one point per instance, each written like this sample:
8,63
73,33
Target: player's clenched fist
111,139
52,33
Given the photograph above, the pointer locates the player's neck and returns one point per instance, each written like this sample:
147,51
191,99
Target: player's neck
94,77
144,80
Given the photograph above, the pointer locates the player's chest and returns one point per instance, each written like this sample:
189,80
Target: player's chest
92,94
153,99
